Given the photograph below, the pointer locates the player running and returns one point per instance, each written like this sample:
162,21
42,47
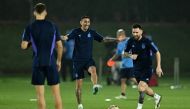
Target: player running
142,51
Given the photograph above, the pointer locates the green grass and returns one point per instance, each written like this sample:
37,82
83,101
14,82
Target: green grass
15,93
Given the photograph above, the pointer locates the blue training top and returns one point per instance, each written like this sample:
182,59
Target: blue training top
144,48
83,43
126,62
43,35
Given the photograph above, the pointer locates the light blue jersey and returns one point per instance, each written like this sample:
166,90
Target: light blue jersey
126,62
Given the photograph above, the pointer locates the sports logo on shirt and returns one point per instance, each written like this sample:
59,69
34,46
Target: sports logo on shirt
143,46
79,35
89,35
133,46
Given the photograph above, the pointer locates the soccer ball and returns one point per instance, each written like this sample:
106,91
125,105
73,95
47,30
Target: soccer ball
113,107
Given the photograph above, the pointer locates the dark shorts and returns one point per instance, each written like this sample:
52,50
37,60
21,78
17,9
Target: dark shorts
143,74
126,73
40,74
80,66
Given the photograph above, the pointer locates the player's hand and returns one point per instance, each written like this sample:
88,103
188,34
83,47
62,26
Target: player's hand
58,65
126,54
134,56
159,71
64,37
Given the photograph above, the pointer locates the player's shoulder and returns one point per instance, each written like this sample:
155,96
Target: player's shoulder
50,23
76,30
146,40
92,30
130,39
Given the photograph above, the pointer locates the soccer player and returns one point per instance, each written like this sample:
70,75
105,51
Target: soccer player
126,71
142,52
82,55
44,37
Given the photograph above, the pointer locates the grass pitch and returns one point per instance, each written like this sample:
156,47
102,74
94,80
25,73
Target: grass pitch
18,93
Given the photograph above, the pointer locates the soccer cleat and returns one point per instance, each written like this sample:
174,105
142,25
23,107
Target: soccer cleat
120,97
157,102
96,88
80,106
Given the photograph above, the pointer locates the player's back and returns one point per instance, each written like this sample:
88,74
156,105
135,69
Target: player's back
43,41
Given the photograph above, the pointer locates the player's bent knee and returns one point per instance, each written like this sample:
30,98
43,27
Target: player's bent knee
141,88
92,70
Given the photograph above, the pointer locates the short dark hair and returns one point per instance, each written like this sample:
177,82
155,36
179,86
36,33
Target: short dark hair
137,26
39,8
84,17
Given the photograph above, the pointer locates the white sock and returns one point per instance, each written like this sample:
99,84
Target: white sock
79,104
156,96
139,106
97,85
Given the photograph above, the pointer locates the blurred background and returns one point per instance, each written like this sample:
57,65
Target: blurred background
166,21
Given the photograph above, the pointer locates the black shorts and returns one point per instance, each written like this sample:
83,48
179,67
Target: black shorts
143,74
80,66
126,73
40,74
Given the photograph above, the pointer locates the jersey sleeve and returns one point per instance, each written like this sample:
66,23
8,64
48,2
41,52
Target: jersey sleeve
152,46
72,34
57,34
26,34
97,36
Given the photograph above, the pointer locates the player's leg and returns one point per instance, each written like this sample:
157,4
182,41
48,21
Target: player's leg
78,75
141,88
123,89
145,89
40,96
92,71
38,79
123,86
131,76
94,79
53,80
79,93
90,66
123,78
134,80
57,96
149,91
156,96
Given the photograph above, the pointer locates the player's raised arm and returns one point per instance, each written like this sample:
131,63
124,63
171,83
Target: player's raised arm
114,57
109,39
64,38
